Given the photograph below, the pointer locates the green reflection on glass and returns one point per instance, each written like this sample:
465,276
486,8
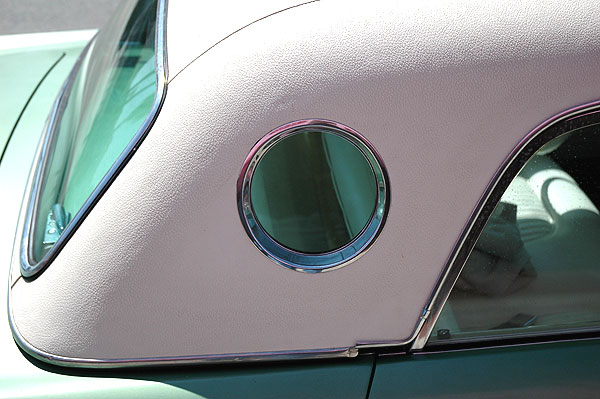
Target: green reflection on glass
110,99
313,192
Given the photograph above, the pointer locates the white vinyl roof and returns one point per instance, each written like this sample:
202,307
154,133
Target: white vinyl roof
162,266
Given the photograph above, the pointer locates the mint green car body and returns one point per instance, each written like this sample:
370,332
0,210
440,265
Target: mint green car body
32,75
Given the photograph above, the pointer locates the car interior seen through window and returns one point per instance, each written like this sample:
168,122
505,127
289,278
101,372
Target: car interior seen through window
534,268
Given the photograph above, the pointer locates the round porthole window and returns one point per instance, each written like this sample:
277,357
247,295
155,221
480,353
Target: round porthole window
313,195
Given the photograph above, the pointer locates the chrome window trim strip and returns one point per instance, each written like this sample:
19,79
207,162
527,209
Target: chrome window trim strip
227,358
564,337
29,267
522,337
583,115
305,262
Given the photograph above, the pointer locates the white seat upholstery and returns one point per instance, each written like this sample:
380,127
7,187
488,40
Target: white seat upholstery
560,228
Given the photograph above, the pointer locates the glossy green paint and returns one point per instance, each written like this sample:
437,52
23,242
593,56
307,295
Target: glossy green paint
24,60
346,379
551,370
22,81
23,377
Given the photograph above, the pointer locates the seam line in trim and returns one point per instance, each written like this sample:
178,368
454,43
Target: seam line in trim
372,377
233,33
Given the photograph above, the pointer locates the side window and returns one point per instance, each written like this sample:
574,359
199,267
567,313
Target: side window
535,267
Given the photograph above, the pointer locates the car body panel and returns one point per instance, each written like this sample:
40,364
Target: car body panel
24,61
549,370
24,81
332,379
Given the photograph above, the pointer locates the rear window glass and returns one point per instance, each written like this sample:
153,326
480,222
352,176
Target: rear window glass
110,98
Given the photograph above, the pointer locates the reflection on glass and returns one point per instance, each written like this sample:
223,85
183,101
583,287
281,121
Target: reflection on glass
536,264
110,98
313,192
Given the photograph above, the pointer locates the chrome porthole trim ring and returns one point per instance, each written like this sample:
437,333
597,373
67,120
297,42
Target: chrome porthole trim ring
311,262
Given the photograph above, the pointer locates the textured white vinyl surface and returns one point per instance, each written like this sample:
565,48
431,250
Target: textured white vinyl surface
202,24
444,90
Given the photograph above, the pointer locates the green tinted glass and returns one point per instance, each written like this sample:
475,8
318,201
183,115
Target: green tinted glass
535,265
108,101
313,192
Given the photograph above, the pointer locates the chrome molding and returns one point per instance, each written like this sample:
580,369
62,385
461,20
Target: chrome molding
179,360
29,267
512,339
578,117
304,262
